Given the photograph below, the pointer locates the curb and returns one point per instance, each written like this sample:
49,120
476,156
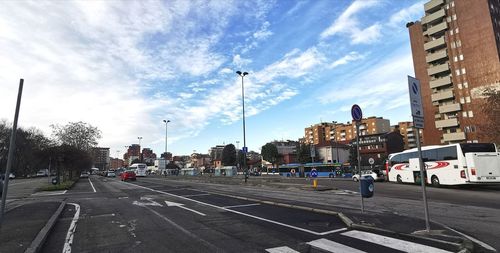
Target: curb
40,238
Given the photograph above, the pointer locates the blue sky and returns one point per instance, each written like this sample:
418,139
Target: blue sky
124,66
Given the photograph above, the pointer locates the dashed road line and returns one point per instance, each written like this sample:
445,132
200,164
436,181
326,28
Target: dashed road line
71,231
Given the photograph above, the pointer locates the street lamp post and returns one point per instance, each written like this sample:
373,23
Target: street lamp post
166,136
140,154
243,74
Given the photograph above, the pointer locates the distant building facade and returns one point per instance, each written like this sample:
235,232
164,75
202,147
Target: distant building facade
101,159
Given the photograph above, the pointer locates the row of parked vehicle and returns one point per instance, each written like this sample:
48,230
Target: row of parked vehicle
122,173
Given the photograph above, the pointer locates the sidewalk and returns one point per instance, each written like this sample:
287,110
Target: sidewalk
23,226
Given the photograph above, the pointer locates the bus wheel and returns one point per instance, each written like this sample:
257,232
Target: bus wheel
400,181
435,181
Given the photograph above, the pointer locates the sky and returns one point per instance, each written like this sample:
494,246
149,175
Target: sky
125,66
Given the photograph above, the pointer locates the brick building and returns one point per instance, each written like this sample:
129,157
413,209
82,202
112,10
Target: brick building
455,49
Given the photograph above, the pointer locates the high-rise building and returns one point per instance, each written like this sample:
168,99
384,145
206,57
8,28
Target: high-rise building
100,156
455,49
409,134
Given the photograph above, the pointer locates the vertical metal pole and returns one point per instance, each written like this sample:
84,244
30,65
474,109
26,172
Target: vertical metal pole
12,146
422,181
244,131
166,139
359,166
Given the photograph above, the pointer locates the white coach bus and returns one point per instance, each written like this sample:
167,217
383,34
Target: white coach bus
454,164
140,169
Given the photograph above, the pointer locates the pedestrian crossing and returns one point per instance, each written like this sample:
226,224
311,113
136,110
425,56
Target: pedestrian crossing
327,245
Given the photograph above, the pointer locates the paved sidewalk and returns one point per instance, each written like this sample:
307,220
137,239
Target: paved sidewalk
22,224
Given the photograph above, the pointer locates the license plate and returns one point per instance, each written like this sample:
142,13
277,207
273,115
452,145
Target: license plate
491,178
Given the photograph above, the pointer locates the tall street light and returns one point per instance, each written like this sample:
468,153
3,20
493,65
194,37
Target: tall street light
140,154
243,74
166,125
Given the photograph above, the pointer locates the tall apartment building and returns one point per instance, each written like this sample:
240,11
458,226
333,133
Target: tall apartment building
409,134
455,49
344,133
325,133
100,157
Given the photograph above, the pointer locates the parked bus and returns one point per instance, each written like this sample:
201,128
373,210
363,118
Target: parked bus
298,170
190,172
454,164
140,169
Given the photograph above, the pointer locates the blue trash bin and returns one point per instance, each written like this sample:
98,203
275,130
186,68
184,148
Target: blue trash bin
367,186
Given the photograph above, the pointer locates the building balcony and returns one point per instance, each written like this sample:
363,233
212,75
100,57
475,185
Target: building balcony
435,44
444,81
442,95
454,136
433,5
446,123
434,17
450,108
436,69
437,28
436,56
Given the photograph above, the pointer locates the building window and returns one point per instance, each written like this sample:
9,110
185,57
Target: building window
457,72
455,59
454,17
452,4
464,114
459,86
467,100
471,114
456,30
462,101
448,19
466,85
463,71
453,44
459,43
461,57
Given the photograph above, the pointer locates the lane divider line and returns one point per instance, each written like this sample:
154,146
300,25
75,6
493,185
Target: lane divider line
72,228
91,184
236,206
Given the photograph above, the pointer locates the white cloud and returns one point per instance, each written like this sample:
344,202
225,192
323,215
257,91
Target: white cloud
403,16
367,36
352,56
239,62
347,23
264,32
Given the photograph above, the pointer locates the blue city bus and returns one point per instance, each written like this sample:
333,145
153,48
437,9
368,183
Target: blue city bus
303,170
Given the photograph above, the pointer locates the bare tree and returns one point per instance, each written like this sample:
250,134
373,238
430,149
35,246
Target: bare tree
77,134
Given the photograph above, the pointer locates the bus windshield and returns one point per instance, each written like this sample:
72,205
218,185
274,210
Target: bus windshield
477,147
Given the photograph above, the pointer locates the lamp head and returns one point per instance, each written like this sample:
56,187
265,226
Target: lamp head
238,72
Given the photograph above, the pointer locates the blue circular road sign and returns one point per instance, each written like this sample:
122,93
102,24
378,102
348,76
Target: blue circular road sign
314,173
356,112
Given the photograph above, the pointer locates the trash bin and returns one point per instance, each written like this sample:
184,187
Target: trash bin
366,186
54,181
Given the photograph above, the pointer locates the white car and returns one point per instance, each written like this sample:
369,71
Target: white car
375,174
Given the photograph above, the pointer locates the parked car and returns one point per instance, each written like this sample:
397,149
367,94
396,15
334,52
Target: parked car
42,173
110,174
128,175
377,175
84,174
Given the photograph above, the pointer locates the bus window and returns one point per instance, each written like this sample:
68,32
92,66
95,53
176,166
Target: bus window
477,147
448,153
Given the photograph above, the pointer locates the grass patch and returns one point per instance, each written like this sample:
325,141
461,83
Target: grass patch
66,185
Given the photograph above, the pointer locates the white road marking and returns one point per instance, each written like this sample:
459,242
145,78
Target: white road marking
91,184
236,206
183,207
332,246
283,249
240,213
393,243
196,195
149,202
49,193
71,231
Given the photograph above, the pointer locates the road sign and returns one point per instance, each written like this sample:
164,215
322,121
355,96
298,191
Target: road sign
371,161
313,151
314,173
244,150
356,113
418,122
415,97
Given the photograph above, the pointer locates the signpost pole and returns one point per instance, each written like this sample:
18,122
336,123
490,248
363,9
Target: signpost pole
359,166
417,111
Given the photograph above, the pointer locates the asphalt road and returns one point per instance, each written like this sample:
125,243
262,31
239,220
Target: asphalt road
159,215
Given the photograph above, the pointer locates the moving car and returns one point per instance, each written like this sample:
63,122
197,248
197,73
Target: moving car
110,174
128,175
376,174
84,174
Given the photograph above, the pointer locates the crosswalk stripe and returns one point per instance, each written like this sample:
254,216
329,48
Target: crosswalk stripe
332,246
393,243
283,249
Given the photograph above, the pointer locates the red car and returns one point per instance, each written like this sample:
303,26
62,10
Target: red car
128,175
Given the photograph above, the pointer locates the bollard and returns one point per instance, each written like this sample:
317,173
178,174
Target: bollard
315,183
